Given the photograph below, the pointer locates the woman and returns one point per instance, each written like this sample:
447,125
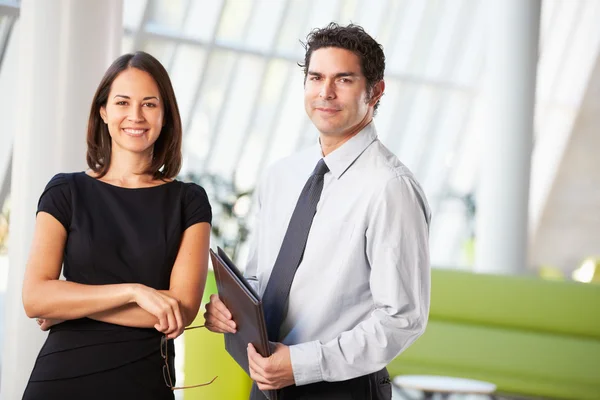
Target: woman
134,243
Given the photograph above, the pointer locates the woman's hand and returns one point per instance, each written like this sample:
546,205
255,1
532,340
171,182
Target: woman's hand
47,323
164,307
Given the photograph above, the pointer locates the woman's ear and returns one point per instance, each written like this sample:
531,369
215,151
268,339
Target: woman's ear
103,114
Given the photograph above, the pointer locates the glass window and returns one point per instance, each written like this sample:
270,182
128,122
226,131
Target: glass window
167,15
210,102
262,126
133,13
237,113
264,25
203,19
188,67
292,29
291,120
232,27
163,50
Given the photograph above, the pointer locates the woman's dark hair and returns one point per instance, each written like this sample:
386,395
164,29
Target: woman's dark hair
166,157
352,38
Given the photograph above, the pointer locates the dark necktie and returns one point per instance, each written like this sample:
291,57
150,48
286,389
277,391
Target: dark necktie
291,251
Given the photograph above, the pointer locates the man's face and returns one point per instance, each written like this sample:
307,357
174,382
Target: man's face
335,92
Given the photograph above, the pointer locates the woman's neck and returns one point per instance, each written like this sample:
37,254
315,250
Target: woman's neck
129,169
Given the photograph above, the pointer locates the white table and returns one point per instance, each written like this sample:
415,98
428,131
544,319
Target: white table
445,385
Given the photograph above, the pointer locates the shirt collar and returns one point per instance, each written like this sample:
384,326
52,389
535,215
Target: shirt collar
341,158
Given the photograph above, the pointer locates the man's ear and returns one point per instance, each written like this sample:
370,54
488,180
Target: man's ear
377,92
103,114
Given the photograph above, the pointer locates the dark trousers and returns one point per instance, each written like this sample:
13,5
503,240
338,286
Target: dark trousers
375,386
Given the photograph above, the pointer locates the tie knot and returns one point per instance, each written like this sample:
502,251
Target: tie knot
321,168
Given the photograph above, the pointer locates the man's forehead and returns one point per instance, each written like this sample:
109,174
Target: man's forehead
334,60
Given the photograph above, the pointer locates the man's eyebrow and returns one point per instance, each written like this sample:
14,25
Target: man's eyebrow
344,74
338,75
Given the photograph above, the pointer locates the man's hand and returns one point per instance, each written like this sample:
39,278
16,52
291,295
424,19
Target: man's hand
217,316
274,372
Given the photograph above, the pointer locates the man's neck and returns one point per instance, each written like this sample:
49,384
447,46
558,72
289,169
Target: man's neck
329,143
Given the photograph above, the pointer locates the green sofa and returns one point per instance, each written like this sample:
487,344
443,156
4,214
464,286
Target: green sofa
528,336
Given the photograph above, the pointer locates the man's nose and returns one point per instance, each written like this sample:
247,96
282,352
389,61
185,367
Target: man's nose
327,90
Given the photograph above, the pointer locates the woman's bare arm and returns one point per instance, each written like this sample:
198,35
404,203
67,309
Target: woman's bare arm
45,296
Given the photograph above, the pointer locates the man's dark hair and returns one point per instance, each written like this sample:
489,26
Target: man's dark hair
166,156
352,38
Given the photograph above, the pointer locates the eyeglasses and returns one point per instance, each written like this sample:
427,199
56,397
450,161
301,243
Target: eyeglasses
164,352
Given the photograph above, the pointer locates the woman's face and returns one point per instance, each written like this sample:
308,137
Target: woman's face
134,112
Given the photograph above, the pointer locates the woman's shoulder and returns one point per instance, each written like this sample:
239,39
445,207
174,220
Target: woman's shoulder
196,206
193,192
61,181
57,198
192,187
62,178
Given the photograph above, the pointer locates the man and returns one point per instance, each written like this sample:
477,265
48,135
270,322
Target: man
341,260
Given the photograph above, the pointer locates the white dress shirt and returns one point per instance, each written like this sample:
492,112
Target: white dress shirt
360,295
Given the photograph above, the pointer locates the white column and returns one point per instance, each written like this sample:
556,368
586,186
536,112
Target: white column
65,47
507,135
8,71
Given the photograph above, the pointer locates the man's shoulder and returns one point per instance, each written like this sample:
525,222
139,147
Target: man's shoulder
383,163
391,178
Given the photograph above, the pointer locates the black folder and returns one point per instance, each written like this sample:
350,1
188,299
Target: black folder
246,309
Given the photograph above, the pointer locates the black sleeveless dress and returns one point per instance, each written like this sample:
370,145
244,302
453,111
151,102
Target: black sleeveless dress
115,235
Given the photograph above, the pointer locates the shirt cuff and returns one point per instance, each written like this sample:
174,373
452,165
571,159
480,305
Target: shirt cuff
305,363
